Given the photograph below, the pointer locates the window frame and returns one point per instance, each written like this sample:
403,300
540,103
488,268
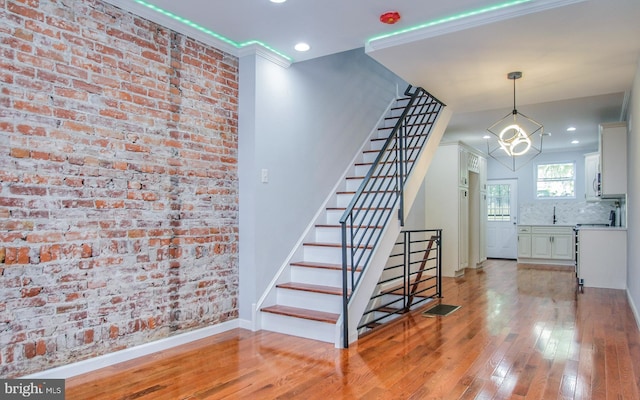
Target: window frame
575,181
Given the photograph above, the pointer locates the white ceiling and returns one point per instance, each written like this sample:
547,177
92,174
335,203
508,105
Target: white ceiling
578,57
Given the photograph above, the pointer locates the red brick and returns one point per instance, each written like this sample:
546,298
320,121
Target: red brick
29,350
31,292
113,332
20,153
16,255
88,336
27,12
41,347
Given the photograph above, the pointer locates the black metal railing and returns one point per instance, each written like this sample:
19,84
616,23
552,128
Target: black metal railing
411,277
383,186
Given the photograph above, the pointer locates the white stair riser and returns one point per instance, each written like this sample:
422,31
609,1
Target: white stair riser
374,218
353,184
369,157
376,144
323,254
384,133
309,329
361,170
333,217
385,199
328,235
309,300
334,234
388,183
319,276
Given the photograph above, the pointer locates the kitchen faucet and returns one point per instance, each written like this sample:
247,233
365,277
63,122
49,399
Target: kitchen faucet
554,215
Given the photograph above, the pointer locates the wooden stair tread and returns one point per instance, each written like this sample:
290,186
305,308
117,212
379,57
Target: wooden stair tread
378,151
392,310
367,191
412,124
320,244
360,208
308,287
361,164
391,127
310,264
376,176
349,226
303,313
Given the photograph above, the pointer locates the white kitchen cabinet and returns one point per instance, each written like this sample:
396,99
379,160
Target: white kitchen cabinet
482,239
591,170
463,169
524,242
602,257
541,245
482,171
546,244
613,159
463,228
447,207
562,247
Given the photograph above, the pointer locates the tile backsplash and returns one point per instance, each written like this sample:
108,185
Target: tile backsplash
569,212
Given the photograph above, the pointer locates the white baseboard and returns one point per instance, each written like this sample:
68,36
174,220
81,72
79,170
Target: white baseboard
246,324
92,364
633,308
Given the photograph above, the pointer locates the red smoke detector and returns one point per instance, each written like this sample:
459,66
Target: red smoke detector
390,17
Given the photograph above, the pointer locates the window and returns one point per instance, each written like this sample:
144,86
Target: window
556,181
498,202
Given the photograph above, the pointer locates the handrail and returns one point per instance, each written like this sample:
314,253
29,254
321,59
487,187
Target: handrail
411,277
382,186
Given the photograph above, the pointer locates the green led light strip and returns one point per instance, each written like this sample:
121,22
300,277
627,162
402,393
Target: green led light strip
209,31
237,45
450,19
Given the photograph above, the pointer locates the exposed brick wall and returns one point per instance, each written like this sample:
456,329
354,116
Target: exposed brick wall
118,183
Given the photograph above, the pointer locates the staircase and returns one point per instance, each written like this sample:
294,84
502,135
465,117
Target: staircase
324,287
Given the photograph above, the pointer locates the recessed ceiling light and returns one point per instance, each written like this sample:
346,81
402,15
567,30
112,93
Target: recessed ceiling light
278,1
486,137
302,47
571,129
575,141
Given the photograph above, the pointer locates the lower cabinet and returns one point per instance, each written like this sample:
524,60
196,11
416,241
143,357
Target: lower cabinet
546,244
524,242
463,228
602,258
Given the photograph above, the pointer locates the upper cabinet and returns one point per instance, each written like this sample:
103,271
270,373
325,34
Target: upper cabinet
591,181
463,168
613,160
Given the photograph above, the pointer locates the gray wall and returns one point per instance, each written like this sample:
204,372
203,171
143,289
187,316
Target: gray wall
633,198
304,124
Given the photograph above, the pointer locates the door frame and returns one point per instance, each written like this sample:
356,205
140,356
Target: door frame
509,243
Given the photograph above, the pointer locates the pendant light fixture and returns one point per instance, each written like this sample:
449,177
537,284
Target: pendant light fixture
517,139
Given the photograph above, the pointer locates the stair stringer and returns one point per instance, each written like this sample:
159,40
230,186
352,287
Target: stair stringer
370,277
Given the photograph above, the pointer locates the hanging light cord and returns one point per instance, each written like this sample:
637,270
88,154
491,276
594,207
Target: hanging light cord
514,96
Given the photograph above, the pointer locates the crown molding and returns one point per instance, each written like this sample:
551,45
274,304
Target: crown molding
177,26
453,24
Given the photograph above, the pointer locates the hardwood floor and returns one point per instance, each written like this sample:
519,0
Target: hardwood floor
521,333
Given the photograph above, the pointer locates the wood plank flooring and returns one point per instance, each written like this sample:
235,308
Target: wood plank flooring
521,333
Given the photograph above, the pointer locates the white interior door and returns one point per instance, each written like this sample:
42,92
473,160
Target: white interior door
502,218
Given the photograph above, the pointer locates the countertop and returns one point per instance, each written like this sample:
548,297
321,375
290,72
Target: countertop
582,227
601,228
